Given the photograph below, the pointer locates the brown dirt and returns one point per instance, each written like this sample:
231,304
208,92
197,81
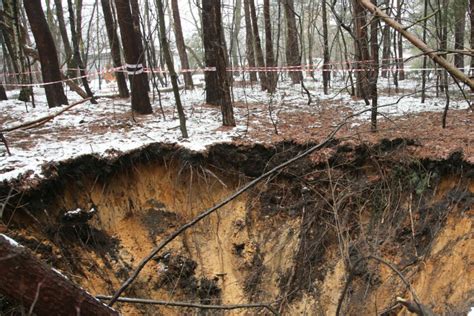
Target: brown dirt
292,239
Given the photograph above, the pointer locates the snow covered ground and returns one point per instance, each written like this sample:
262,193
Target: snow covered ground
108,127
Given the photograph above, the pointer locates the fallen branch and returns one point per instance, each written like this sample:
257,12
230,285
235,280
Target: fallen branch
25,279
191,305
388,264
43,120
231,197
452,69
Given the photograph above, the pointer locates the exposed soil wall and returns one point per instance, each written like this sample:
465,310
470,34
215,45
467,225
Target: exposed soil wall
291,240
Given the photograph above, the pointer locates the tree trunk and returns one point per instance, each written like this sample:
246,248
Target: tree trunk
293,57
419,44
63,31
270,57
133,58
47,53
183,57
326,58
136,25
386,47
217,82
460,8
25,279
471,19
401,63
258,46
374,48
250,49
234,48
169,64
114,47
77,53
361,49
425,59
3,94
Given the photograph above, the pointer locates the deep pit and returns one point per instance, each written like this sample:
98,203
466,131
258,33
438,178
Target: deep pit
292,240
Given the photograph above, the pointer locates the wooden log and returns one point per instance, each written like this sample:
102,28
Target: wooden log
39,288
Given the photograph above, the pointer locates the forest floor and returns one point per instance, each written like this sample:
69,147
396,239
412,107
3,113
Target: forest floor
109,128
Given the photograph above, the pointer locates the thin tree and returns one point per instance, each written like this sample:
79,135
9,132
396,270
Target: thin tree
133,58
425,58
400,61
258,46
471,19
326,57
250,49
77,54
183,56
361,48
460,8
112,35
234,48
217,82
293,57
169,63
47,53
269,55
65,38
374,49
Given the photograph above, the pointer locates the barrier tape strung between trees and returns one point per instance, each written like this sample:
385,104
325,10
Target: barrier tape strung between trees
139,69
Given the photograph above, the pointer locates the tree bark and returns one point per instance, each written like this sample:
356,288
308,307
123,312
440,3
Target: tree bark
77,54
3,94
326,57
400,61
293,57
133,57
258,46
234,49
47,53
460,8
183,56
169,63
114,47
62,30
136,26
217,82
25,279
471,19
361,48
418,43
249,42
270,57
374,50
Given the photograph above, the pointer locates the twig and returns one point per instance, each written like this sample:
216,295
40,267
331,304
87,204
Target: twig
4,141
192,305
43,120
388,264
227,200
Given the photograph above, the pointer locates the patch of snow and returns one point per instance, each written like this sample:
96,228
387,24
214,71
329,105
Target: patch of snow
12,242
60,273
107,128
